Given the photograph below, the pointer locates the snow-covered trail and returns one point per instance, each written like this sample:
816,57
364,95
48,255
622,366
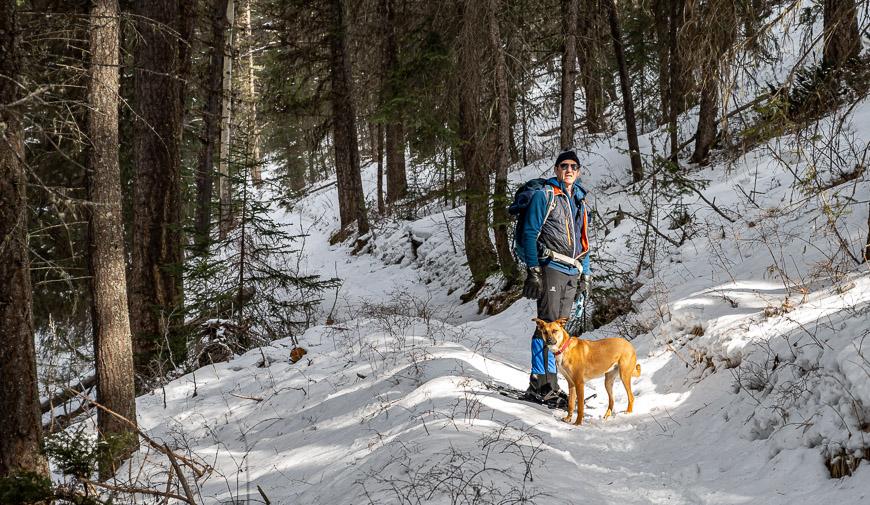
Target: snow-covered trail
751,356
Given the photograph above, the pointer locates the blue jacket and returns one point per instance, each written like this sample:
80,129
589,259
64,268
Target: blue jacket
565,230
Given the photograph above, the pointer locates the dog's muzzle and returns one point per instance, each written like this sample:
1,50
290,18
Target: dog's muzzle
550,340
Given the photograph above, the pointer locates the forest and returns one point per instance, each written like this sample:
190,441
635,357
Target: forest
154,152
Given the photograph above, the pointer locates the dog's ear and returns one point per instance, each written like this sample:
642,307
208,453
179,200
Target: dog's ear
537,321
562,321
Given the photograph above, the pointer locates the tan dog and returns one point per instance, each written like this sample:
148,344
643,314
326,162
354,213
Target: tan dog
582,360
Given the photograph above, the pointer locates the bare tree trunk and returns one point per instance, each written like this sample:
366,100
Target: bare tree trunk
380,157
592,63
675,76
502,146
397,182
569,72
20,426
842,40
211,124
351,201
661,15
113,348
155,292
249,97
478,248
675,100
225,221
625,86
717,21
706,133
867,245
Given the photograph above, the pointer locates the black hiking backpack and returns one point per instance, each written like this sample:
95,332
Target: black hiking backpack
517,209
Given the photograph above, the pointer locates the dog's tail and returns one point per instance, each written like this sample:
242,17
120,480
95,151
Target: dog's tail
636,372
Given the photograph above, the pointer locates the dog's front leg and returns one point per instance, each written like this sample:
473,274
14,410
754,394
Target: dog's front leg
579,394
572,398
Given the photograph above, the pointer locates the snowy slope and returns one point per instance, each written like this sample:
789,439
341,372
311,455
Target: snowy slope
752,339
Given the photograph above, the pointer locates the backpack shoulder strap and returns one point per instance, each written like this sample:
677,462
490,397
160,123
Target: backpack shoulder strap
551,200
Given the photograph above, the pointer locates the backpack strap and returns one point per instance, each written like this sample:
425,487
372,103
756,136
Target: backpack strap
550,191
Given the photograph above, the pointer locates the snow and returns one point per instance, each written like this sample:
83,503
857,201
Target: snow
754,367
753,338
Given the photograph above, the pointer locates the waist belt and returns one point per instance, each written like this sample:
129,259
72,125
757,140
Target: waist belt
561,258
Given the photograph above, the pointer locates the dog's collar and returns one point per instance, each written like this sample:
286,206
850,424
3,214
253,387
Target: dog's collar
564,346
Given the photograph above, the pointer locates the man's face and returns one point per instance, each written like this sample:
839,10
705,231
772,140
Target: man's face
567,172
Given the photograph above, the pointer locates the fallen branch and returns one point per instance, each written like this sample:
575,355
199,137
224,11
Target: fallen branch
658,232
180,475
671,348
198,469
243,397
136,490
67,393
63,421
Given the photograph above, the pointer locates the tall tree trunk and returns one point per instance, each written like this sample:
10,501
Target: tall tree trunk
675,88
842,40
717,20
380,157
625,86
397,183
225,221
675,77
351,201
249,99
706,133
569,72
155,294
184,26
478,248
502,147
20,420
661,16
592,61
211,120
113,348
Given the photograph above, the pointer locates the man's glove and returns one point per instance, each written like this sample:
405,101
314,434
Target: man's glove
585,285
534,283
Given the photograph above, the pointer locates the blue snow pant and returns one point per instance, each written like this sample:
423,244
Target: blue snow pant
556,301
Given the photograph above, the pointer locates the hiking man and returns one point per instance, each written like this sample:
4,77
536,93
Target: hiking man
555,246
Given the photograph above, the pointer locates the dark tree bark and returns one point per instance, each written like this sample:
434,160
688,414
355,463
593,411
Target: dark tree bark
351,201
478,248
592,61
842,40
661,16
155,293
502,148
676,102
625,86
397,183
675,78
20,425
113,349
379,143
186,17
706,133
211,122
717,21
569,72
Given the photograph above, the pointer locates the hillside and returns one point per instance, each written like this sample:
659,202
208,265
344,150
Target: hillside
752,337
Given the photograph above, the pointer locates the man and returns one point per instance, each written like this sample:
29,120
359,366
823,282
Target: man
555,226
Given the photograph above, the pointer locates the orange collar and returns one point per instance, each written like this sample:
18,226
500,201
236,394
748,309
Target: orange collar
564,346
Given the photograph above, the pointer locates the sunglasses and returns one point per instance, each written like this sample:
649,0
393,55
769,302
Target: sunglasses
569,166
